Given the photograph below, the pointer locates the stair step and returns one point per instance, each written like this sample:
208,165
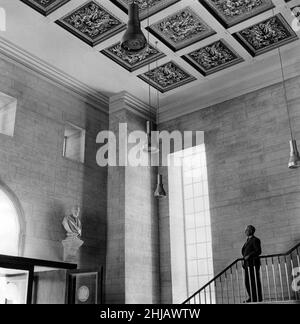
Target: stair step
278,302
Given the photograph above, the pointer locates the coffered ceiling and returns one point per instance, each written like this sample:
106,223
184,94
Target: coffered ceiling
194,44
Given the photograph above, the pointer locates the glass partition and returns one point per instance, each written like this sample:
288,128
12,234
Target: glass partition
13,286
33,281
49,285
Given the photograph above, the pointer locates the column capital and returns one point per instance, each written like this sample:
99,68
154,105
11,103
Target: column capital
125,101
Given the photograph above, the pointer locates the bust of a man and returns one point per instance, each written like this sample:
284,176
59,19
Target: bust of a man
72,223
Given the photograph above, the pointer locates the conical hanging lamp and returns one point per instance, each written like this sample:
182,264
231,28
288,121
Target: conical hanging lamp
294,160
160,191
134,41
294,155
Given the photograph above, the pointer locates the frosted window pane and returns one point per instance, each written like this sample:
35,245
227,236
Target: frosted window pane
201,234
192,268
192,252
201,251
188,191
200,219
206,202
190,221
198,189
208,234
205,188
190,236
199,204
202,267
189,206
197,174
188,177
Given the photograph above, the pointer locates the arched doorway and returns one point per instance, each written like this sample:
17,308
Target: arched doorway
10,224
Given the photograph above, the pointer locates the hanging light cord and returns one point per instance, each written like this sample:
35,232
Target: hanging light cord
158,103
148,25
284,87
285,93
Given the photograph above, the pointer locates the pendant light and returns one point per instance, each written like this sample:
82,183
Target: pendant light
133,41
160,191
294,160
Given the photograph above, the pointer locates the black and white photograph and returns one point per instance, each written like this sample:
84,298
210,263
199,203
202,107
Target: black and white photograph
149,155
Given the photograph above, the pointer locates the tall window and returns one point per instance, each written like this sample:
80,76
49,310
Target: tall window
197,219
190,187
9,226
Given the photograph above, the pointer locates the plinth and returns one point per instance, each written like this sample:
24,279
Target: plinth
71,247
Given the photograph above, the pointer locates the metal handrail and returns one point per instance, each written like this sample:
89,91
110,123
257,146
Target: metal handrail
234,263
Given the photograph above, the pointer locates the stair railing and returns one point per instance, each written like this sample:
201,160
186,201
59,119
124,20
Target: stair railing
273,280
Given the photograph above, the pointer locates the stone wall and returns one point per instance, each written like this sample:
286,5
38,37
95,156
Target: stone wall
46,184
247,145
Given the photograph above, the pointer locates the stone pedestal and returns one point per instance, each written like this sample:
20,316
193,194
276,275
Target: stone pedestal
71,247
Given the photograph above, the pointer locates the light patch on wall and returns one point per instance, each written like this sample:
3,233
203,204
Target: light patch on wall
2,19
9,226
74,143
8,107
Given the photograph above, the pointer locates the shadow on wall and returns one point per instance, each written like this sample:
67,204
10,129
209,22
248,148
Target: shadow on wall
55,215
93,202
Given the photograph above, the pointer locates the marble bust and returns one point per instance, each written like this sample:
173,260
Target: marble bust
72,223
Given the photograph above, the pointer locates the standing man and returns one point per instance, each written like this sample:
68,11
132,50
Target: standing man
251,252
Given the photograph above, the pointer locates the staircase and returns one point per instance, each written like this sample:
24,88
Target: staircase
276,281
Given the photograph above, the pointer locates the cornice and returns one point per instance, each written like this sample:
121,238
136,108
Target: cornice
16,55
124,100
245,83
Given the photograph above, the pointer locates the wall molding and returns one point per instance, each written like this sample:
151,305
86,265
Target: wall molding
236,87
124,100
16,55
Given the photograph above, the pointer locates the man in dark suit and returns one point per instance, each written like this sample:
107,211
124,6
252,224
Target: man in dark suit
251,252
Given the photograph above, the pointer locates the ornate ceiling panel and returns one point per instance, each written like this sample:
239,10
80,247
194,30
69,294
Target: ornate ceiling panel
232,12
266,35
134,61
167,77
208,34
91,23
213,57
45,7
181,29
154,6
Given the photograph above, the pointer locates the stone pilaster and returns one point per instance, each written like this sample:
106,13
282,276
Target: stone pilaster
132,274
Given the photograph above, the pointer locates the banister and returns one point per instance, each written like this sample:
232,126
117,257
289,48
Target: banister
235,262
